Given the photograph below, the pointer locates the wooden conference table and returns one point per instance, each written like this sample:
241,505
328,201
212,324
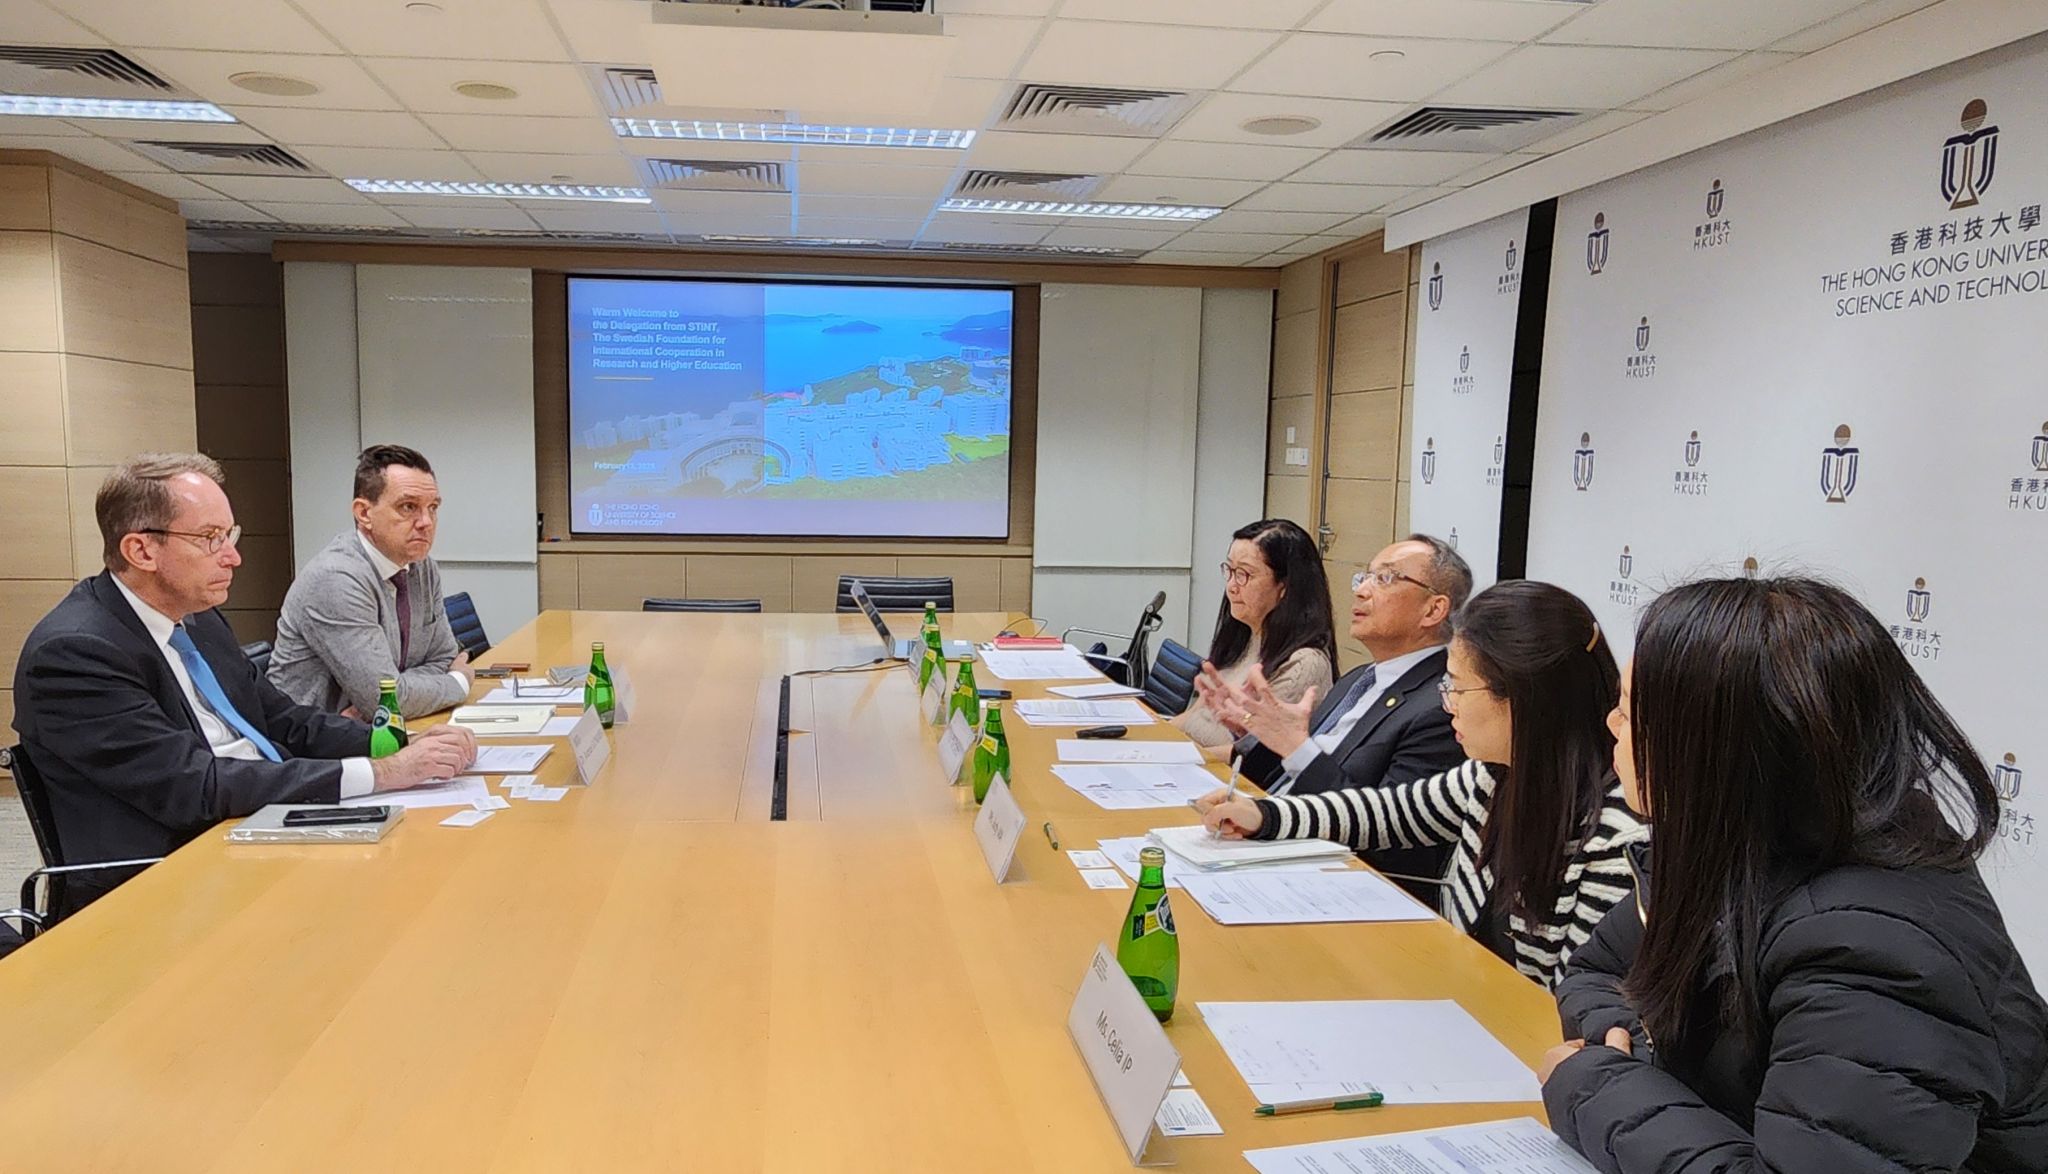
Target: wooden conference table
651,975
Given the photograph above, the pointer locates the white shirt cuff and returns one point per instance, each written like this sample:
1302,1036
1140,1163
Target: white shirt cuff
357,778
461,682
1303,754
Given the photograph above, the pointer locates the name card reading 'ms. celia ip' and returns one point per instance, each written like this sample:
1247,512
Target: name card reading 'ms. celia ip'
590,747
1125,1049
998,826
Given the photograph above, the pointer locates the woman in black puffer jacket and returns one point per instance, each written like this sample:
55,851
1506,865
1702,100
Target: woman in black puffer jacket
1816,981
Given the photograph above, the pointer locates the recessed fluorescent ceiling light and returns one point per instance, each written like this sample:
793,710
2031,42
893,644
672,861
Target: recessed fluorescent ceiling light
514,191
138,109
1060,208
790,132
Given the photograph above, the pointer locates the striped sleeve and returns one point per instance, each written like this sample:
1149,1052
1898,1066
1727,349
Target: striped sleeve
1421,813
1604,878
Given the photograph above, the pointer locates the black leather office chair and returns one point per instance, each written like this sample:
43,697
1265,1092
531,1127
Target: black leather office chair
52,903
468,627
716,605
1131,667
897,593
258,652
1170,686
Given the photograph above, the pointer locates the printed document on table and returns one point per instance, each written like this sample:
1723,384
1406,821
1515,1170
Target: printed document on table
1112,750
1095,692
508,760
1124,853
1010,665
1413,1051
462,791
1298,898
1120,711
1197,846
1518,1146
1127,787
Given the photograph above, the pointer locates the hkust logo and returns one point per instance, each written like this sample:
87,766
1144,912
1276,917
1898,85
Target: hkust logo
1511,280
1689,481
1429,460
1496,469
1969,159
1453,539
1750,568
1436,285
2005,775
1623,589
1712,232
1916,640
2029,493
1596,245
1642,364
1582,463
1838,464
1463,382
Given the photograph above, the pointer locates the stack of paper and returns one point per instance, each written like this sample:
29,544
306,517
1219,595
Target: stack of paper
503,720
1009,665
506,760
463,791
1107,750
1095,692
1195,846
1262,897
1519,1146
1117,712
533,691
1123,852
1126,787
1413,1052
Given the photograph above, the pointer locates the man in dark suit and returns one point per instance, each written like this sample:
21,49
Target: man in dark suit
1383,723
138,709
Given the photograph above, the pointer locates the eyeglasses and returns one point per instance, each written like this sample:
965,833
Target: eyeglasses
1235,576
210,541
1386,579
1445,692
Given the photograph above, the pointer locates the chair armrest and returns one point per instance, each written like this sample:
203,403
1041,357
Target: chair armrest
1123,636
28,884
31,921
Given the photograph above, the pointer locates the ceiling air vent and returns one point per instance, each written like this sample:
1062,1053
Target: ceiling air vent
76,73
984,248
626,89
716,175
1026,185
225,158
1468,128
1095,110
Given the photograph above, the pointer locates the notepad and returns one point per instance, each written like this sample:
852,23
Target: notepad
505,760
489,721
1195,846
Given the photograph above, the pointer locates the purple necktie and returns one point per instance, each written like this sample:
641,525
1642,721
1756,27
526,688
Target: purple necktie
404,619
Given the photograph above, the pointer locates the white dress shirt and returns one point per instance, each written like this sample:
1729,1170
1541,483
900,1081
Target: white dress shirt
385,569
222,738
1385,674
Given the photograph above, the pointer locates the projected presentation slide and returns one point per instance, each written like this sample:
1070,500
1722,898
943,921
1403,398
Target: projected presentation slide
718,407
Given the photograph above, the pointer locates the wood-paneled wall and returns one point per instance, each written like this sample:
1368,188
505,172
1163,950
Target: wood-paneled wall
1343,380
245,422
95,365
785,575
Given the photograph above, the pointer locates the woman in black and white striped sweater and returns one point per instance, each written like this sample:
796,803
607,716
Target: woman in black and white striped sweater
1538,821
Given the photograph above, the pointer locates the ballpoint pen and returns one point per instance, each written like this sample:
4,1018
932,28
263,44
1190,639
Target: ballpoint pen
1236,764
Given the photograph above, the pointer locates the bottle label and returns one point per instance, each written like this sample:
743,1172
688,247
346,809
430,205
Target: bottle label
380,719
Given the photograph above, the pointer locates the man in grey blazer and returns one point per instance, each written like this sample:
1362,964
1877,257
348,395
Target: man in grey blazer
368,606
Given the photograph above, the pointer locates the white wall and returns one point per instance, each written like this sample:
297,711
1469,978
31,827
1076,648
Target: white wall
438,358
1152,407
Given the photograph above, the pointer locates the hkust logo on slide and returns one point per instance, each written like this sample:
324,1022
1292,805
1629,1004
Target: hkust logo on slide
1915,640
1624,590
1689,481
1509,281
2029,493
1712,232
1838,464
1596,245
1495,471
1642,364
1582,463
1428,460
1463,382
2005,775
1436,285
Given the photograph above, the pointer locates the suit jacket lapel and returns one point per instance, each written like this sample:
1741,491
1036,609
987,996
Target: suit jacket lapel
168,694
1396,697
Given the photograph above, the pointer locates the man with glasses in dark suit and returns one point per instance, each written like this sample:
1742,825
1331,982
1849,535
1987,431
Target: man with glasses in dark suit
1382,723
137,708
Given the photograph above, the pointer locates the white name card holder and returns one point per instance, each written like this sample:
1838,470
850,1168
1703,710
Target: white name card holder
954,744
997,828
1125,1050
933,703
623,702
590,747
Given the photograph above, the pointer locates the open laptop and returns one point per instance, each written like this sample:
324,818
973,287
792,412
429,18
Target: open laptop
893,647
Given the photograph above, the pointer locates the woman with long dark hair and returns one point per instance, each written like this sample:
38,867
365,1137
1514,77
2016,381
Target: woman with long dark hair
1816,978
1537,820
1275,617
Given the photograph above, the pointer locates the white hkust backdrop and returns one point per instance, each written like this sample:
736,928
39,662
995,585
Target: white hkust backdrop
1821,347
1464,357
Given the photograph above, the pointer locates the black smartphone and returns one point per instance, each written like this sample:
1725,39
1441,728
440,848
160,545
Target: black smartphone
993,694
334,816
1101,732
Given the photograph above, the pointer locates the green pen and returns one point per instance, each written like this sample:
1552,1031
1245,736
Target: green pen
1370,1100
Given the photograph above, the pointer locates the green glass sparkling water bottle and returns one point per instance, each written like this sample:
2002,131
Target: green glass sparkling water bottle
1147,948
387,725
966,698
597,686
992,753
934,654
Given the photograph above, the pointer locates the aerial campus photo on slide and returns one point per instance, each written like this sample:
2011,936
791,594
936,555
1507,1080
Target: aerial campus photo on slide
729,408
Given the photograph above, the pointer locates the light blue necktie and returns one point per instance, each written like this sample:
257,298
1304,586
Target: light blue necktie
208,687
